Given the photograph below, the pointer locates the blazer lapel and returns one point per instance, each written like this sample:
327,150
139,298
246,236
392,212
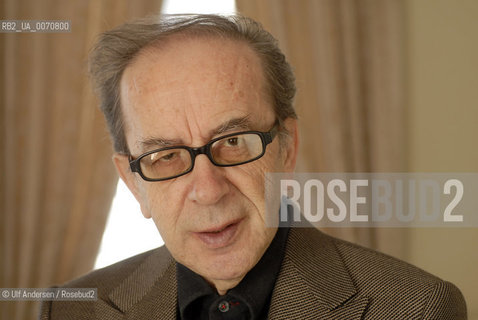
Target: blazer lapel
150,291
313,282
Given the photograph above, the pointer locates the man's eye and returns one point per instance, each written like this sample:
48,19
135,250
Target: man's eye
168,157
161,158
234,141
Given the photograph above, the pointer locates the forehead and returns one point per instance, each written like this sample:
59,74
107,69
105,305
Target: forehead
193,84
204,53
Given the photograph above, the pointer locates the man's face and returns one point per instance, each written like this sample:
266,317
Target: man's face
188,92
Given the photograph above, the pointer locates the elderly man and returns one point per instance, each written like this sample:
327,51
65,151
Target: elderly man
200,108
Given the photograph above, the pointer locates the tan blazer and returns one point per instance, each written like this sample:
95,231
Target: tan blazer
321,278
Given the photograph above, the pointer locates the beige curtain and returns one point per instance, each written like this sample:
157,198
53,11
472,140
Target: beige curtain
57,178
348,58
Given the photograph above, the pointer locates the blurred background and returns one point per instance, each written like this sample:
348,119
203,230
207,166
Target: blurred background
383,86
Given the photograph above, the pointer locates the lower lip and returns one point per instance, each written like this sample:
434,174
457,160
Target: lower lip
215,240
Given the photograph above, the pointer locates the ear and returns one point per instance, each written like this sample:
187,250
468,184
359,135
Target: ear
121,163
291,147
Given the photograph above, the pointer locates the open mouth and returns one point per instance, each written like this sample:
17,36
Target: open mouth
219,237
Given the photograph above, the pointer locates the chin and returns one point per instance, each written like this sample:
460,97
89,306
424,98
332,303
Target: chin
229,266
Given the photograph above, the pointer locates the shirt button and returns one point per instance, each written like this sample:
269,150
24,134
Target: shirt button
223,306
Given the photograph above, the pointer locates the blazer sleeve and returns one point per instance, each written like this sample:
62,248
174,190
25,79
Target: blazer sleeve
445,302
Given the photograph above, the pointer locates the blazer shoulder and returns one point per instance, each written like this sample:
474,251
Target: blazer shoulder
445,302
347,269
119,286
109,277
383,277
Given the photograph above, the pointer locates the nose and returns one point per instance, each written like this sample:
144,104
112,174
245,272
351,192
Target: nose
208,182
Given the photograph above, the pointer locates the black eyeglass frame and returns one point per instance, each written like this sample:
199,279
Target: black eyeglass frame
266,138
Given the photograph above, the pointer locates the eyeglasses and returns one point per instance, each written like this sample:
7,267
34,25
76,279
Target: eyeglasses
230,150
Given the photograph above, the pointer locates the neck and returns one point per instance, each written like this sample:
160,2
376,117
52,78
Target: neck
222,286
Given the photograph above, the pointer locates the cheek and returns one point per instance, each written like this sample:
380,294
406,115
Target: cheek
249,180
164,205
256,171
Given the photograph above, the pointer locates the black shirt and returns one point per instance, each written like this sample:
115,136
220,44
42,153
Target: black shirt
250,299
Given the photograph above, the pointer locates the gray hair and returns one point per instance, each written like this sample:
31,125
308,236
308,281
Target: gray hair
116,49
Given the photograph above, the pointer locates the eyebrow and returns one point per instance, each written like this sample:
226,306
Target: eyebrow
232,124
240,123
